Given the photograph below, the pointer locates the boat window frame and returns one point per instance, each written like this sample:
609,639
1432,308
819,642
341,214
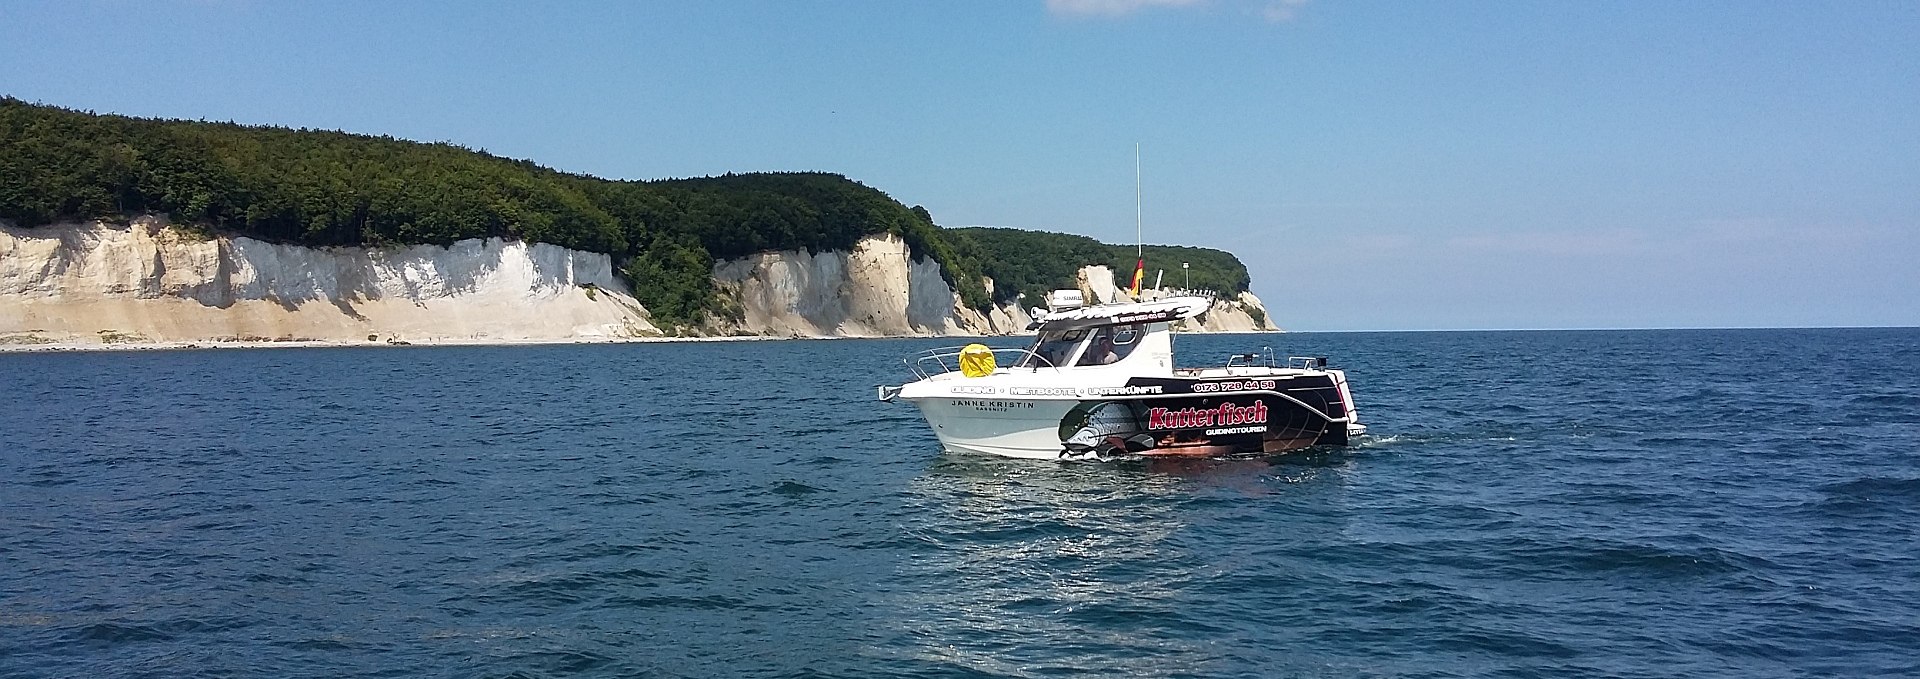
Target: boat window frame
1037,358
1129,332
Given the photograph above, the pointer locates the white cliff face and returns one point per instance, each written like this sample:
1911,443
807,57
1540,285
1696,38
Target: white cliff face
1097,284
876,290
1235,315
148,282
1004,319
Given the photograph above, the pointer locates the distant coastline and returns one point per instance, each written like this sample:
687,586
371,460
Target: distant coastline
149,283
690,254
18,347
67,347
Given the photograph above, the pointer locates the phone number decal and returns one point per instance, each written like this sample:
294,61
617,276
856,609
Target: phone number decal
1233,386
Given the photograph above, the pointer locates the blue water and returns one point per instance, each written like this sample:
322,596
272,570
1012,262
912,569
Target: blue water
1644,503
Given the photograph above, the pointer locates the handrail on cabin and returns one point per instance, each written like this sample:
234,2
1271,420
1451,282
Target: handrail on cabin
939,356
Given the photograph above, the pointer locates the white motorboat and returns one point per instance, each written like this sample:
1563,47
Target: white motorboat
1100,381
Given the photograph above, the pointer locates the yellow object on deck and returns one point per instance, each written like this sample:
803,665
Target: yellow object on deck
976,360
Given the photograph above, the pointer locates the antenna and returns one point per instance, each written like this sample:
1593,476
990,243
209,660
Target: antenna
1139,237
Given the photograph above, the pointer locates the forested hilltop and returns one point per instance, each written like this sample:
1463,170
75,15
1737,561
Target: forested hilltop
1033,262
315,187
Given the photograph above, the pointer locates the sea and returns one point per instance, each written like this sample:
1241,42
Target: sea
1661,503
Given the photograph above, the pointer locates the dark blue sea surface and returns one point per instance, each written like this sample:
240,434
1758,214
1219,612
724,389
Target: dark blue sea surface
1737,503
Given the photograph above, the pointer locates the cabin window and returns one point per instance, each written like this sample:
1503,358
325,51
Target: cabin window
1111,344
1054,349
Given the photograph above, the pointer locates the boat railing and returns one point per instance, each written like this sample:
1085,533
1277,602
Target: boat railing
947,359
1256,359
1265,358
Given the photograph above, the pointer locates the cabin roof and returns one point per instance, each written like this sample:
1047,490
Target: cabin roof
1161,311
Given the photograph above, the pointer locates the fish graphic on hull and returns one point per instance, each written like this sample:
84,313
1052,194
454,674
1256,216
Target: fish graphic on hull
1104,428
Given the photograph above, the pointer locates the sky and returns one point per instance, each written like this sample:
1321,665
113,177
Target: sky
1377,165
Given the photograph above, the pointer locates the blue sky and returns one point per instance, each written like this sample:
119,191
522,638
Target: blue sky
1377,165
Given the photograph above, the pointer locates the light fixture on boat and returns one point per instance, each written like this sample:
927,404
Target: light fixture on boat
1065,300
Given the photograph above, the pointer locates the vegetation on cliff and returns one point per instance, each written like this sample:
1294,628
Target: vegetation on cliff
1033,262
333,188
680,227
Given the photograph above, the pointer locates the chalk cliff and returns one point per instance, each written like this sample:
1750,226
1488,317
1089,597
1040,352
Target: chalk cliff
876,290
1243,313
103,283
145,282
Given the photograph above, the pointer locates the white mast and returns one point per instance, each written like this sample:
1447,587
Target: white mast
1139,239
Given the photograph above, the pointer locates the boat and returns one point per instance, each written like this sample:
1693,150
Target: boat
1100,382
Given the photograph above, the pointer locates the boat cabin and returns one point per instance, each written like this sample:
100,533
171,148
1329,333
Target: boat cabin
1137,337
1090,347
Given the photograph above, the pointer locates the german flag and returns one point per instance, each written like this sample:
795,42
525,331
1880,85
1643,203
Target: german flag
1139,272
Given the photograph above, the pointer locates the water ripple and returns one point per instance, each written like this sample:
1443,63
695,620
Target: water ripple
1661,503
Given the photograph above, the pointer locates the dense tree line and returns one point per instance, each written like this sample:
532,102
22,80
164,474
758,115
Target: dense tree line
309,187
691,223
1031,263
332,188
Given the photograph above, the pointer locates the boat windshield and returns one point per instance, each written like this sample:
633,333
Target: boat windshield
1054,348
1110,344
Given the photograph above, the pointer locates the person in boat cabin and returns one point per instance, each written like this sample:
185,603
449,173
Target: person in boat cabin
1110,344
1101,353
